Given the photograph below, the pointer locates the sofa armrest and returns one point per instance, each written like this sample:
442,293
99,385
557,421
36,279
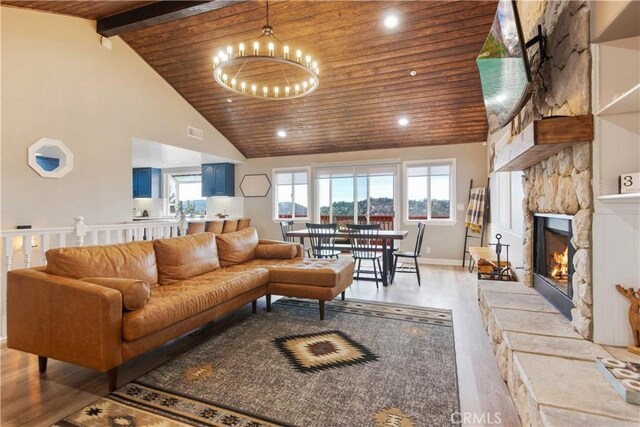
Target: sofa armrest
64,319
299,247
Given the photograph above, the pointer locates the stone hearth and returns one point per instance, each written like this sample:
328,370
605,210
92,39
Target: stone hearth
548,367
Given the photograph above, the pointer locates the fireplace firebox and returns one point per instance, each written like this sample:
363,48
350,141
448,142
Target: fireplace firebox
553,260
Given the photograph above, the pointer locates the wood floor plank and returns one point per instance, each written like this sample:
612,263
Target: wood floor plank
29,399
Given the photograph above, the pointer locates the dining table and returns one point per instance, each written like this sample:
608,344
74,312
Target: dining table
386,237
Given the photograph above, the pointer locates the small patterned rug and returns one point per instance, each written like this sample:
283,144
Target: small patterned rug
366,364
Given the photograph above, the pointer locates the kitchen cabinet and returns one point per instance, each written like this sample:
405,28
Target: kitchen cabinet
147,183
218,179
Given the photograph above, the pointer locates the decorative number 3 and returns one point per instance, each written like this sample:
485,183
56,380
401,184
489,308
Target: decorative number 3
628,181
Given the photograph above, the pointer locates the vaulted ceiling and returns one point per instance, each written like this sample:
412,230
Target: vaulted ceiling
365,80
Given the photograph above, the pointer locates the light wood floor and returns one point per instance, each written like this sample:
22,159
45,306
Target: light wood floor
30,399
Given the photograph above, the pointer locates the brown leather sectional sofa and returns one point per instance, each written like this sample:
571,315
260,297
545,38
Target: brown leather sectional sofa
100,306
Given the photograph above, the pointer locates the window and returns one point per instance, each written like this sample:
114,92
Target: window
429,191
185,192
361,194
291,194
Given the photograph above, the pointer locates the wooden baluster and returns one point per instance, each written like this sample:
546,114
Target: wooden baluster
80,230
44,247
7,243
62,240
26,250
107,237
128,233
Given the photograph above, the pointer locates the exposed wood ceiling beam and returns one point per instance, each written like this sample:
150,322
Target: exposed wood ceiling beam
156,14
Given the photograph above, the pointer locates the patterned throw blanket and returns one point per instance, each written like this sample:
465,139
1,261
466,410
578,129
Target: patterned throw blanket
475,211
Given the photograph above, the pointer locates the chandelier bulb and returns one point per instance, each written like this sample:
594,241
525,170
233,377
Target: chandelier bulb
256,48
229,51
304,85
233,83
299,55
224,78
276,91
287,90
286,52
216,61
253,89
241,49
297,88
243,86
265,91
271,49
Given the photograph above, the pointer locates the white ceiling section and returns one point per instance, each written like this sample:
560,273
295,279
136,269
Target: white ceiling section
151,154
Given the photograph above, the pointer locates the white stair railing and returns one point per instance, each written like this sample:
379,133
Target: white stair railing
24,248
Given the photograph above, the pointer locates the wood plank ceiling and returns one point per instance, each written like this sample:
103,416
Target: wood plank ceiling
81,9
365,81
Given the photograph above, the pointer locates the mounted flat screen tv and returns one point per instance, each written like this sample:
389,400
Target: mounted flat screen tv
504,68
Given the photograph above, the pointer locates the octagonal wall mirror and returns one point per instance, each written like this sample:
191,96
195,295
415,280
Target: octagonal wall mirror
50,158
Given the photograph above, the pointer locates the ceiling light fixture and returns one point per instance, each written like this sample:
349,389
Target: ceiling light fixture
413,73
391,21
403,121
282,133
294,75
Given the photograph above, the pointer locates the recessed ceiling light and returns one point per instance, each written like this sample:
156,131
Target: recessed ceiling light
403,121
282,133
391,21
229,100
413,73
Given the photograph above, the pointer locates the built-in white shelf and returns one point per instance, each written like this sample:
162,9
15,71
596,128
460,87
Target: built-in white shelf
628,102
619,197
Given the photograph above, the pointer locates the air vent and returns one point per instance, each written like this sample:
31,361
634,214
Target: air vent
195,132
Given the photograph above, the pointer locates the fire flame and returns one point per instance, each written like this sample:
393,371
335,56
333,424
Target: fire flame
561,269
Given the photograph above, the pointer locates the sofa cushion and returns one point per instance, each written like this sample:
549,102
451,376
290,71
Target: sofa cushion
277,251
172,303
237,247
183,257
135,293
136,260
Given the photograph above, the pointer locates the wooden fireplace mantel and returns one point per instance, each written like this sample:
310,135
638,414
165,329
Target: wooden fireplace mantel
541,140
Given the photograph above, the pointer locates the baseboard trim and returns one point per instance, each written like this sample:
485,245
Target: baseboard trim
440,261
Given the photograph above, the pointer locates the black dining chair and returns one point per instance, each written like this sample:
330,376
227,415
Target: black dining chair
287,226
415,255
323,240
365,244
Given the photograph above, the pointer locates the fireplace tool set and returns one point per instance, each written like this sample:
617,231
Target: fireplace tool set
501,267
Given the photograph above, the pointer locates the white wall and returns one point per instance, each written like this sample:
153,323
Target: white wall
506,213
58,82
445,241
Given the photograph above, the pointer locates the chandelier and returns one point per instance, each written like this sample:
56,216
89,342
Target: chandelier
266,68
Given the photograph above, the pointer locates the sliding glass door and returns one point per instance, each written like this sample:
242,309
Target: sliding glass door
357,194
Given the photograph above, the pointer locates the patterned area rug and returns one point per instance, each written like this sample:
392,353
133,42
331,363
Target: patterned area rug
366,364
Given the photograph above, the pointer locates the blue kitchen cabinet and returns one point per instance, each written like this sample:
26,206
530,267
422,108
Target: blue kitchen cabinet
147,183
218,179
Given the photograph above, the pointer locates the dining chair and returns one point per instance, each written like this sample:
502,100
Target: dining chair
365,244
323,240
285,227
415,255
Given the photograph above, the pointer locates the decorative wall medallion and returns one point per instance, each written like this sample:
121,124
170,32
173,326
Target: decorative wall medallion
255,185
324,350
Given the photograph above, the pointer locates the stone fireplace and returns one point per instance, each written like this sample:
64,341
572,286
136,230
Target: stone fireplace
553,260
560,188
